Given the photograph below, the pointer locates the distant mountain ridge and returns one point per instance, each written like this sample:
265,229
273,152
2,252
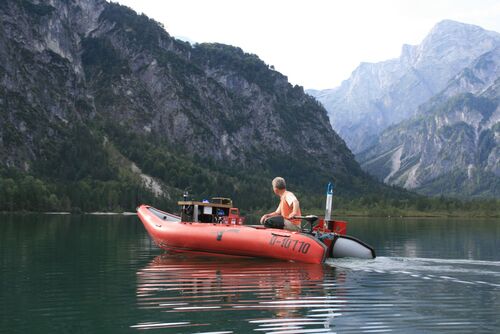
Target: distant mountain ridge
381,94
452,147
103,105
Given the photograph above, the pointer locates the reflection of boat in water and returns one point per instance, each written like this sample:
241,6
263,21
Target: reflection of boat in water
200,274
196,288
211,234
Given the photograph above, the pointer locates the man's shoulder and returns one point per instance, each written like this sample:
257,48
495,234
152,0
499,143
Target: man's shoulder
290,197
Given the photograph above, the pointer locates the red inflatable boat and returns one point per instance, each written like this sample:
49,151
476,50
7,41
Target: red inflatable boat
225,234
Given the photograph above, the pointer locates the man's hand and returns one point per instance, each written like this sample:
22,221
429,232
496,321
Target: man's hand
263,218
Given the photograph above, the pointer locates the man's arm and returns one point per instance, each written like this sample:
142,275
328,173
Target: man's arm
295,210
272,214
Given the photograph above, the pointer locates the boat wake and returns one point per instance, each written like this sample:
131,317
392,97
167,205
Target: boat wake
474,272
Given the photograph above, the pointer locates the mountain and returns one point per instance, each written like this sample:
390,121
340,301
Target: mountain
101,108
378,95
453,146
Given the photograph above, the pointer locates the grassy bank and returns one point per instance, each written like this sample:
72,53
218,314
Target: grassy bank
254,216
413,213
397,213
417,207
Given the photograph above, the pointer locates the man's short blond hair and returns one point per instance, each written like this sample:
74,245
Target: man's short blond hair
279,183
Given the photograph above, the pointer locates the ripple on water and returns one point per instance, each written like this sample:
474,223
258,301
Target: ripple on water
383,295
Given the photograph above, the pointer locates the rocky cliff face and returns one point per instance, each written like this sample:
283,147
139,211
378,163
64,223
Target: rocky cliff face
453,146
88,80
381,94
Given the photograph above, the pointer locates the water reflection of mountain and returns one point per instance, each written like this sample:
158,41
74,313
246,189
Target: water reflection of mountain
264,295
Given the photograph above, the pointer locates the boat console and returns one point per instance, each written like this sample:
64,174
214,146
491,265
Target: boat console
219,210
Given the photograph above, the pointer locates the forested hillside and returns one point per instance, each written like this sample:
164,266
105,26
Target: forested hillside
101,109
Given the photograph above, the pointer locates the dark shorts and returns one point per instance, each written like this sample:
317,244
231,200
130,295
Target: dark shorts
275,222
281,223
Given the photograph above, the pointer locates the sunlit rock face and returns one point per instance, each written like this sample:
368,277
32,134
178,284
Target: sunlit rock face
100,66
378,95
452,146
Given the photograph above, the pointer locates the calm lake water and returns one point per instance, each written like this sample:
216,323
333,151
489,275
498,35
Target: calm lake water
101,274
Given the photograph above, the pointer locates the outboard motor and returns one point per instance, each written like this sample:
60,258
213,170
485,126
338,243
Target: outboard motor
341,245
338,245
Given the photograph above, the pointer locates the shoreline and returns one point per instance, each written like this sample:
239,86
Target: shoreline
104,213
416,215
63,213
412,214
339,214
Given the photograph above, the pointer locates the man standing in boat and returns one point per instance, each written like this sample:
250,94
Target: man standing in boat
288,208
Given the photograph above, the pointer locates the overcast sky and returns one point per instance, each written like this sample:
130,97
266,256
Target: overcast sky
316,43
